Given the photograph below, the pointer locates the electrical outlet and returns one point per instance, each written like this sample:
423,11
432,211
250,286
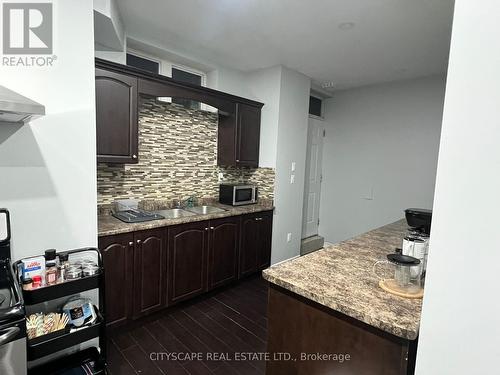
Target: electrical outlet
288,237
221,176
292,179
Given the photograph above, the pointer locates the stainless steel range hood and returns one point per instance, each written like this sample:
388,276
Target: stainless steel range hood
15,108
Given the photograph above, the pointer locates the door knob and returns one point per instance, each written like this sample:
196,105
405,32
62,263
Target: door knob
134,156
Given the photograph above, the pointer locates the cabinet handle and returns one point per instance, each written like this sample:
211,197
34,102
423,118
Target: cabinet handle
258,219
134,156
212,228
237,160
139,242
206,228
131,244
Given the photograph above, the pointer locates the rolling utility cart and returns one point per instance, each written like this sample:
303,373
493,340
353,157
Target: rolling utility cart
93,358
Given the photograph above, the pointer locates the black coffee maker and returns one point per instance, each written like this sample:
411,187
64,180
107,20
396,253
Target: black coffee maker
419,219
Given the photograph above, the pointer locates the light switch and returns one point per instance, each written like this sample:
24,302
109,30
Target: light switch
292,179
369,194
288,237
293,166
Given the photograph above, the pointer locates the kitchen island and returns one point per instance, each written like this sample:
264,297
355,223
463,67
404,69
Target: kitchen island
328,314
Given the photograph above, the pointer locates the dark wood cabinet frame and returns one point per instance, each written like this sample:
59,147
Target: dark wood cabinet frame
234,111
297,325
149,270
181,89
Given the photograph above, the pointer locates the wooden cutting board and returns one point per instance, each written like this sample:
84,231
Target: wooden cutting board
390,286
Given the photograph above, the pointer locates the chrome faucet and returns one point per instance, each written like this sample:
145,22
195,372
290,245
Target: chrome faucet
187,203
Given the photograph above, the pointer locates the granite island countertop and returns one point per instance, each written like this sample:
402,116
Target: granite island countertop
340,277
109,225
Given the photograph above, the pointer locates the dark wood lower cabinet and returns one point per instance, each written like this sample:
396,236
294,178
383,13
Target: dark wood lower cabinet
301,327
223,252
149,270
150,276
187,260
265,240
118,257
255,244
248,245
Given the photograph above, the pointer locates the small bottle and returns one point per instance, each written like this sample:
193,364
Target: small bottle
62,267
50,267
37,282
27,283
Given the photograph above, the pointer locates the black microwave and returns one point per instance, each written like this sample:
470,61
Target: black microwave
237,195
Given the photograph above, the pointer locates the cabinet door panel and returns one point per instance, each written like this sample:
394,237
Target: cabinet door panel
187,250
116,117
248,245
223,254
117,254
149,272
265,239
248,135
255,244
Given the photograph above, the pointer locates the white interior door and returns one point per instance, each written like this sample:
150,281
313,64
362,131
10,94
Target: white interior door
312,189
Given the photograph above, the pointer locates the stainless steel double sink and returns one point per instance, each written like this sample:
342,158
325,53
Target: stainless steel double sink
175,213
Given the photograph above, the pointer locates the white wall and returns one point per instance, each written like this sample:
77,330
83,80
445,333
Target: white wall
460,323
265,86
382,138
47,168
285,94
109,33
231,81
291,147
119,57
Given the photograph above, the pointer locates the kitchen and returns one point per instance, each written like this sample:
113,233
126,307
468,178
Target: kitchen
204,169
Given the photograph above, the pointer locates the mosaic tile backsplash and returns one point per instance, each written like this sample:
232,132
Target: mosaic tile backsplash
177,159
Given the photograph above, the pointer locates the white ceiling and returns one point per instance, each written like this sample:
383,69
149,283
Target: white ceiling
391,39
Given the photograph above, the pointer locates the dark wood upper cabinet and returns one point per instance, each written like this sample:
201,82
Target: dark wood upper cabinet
187,260
223,252
239,137
116,117
150,263
118,257
255,245
117,90
248,135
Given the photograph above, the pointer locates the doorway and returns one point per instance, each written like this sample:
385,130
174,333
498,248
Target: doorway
312,187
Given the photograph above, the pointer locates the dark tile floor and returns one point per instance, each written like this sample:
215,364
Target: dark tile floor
229,322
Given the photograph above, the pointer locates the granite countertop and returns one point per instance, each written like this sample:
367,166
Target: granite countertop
109,225
340,277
